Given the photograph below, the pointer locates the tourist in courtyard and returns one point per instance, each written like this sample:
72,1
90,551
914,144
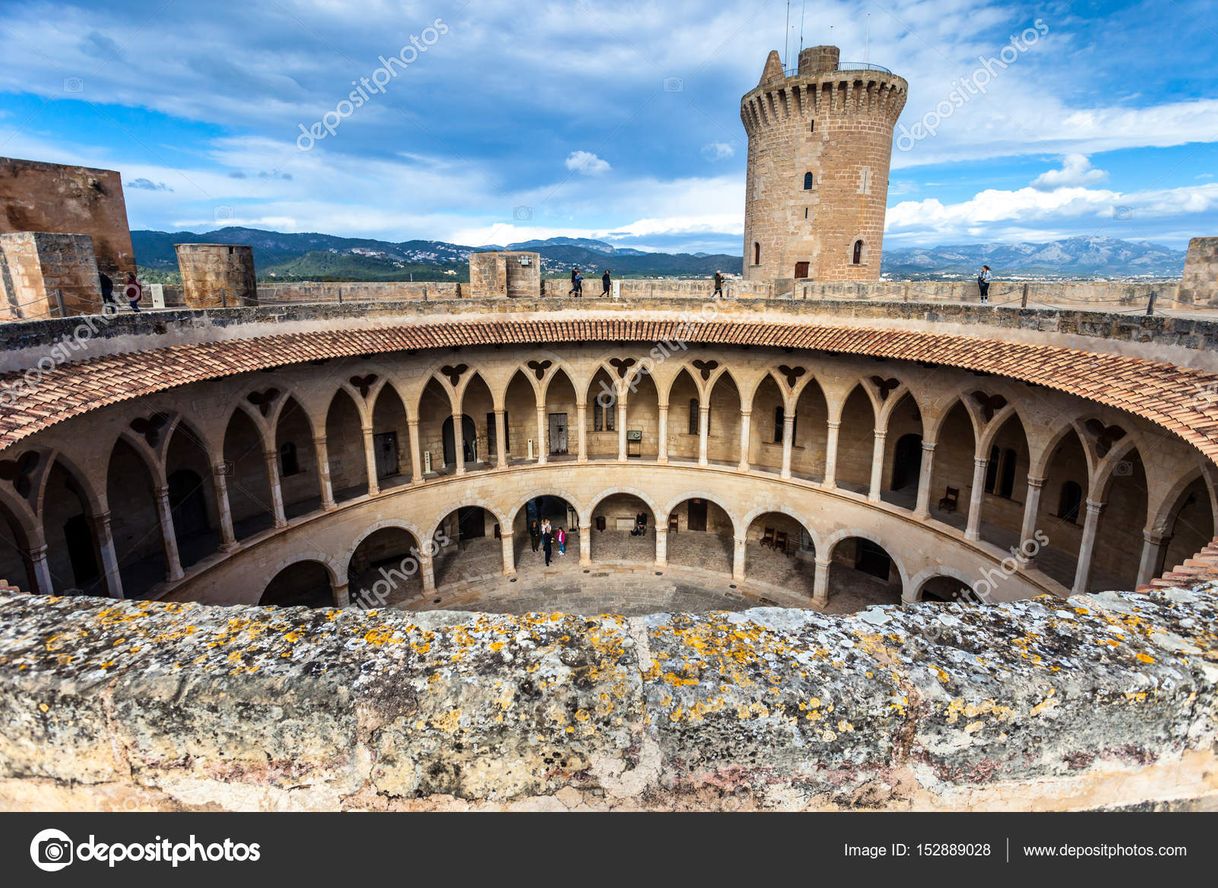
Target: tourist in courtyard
983,284
535,534
133,291
561,536
547,541
718,285
606,280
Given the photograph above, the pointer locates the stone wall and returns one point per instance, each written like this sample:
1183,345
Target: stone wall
359,291
46,275
1107,701
1200,282
505,273
68,200
217,275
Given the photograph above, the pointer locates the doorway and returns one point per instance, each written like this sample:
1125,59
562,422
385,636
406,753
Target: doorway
79,538
471,523
469,440
558,434
907,462
697,514
188,504
385,447
873,560
801,269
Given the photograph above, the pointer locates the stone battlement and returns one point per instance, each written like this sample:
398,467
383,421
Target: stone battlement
1105,701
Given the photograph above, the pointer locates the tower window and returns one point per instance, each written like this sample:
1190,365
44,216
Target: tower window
805,212
865,180
756,253
812,127
858,253
807,182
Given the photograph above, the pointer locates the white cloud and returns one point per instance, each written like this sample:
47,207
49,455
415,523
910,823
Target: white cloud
718,150
1076,170
586,163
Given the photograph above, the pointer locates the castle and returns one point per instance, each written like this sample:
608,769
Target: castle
845,545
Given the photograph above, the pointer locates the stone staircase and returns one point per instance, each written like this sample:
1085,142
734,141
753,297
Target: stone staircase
1201,567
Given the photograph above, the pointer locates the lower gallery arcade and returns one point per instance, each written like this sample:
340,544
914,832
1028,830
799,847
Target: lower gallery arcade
753,474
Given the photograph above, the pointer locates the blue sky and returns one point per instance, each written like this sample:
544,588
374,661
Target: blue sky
615,120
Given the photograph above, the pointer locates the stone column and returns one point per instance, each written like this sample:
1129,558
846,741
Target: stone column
788,441
542,448
621,428
1086,549
41,570
509,553
173,562
661,546
459,443
109,557
703,432
662,431
820,582
972,530
374,486
831,453
926,477
321,448
1031,508
1154,549
581,432
427,571
585,545
219,483
738,551
746,424
416,457
271,458
342,595
877,466
501,459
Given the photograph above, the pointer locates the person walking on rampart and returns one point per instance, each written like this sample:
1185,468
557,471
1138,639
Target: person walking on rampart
983,284
134,291
575,282
718,285
606,281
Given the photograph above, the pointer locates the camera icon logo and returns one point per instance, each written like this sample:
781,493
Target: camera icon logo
51,850
674,84
522,214
73,85
1123,469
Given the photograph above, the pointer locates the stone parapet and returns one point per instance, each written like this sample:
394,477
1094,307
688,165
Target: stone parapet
1107,701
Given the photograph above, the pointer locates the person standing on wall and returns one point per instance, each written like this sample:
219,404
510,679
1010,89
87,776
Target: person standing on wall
134,291
718,285
983,284
606,280
574,281
107,291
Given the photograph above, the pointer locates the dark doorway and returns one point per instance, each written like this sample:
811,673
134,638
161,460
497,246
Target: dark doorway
697,514
558,434
907,462
469,437
385,446
492,435
81,555
872,559
188,504
801,269
471,523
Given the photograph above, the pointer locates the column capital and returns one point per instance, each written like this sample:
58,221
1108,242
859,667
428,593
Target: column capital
1036,482
981,462
412,421
1094,508
834,424
748,412
879,433
162,491
1155,537
320,439
928,446
504,534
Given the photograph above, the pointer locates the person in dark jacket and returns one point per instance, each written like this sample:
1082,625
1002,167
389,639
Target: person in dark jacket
983,284
575,282
107,291
134,291
718,285
535,534
606,280
547,542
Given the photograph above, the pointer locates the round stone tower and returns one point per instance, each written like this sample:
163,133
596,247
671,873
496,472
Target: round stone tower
820,141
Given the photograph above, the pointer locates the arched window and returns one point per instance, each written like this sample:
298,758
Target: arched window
604,416
756,253
693,417
991,470
1070,502
289,464
858,252
808,182
779,419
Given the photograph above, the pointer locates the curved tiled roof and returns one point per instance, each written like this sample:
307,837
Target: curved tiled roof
1181,400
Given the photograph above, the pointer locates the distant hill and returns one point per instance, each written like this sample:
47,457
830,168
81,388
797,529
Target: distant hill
289,257
279,256
1075,257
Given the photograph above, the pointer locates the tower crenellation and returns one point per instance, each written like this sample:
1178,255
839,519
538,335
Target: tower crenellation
820,145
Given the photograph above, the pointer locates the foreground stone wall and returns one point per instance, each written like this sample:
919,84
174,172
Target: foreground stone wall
1200,281
1107,701
217,275
44,275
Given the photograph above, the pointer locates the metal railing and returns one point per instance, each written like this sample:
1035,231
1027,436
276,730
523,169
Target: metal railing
843,67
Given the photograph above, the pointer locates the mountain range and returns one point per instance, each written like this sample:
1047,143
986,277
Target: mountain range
287,257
